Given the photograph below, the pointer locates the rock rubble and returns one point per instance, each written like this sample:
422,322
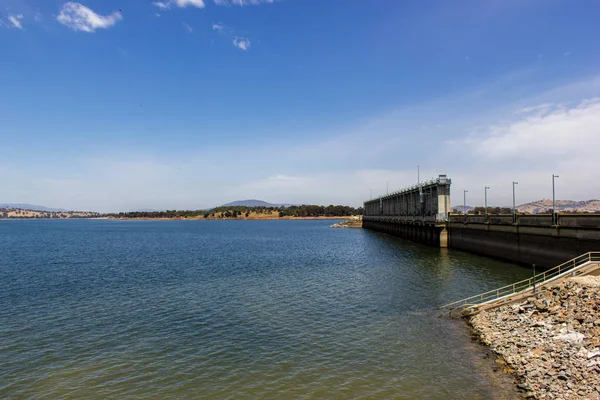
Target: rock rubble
351,222
551,341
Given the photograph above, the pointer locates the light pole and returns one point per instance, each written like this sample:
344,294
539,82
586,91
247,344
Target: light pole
387,187
419,175
514,203
371,191
486,189
554,200
533,278
465,201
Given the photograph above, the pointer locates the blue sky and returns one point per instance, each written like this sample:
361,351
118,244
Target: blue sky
118,105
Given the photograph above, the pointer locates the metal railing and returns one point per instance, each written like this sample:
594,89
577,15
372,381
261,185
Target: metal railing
593,256
412,188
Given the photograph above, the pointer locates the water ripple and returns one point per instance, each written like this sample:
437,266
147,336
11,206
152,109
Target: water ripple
234,310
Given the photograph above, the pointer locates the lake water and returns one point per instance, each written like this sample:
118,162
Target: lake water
236,309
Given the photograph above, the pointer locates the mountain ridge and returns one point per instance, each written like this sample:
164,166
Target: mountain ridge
254,203
32,207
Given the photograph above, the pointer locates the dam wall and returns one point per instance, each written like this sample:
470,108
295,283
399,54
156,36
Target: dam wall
527,239
418,212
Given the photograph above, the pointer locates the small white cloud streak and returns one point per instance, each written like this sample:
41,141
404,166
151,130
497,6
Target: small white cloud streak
80,18
16,20
540,107
187,27
241,3
162,5
166,5
241,43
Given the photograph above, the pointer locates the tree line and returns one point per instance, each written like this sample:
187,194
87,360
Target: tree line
244,212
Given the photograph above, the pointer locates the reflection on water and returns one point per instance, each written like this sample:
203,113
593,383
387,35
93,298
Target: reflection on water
235,309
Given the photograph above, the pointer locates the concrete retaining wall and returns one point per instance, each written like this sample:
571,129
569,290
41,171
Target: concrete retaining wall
545,246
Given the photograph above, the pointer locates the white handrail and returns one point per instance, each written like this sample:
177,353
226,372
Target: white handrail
524,284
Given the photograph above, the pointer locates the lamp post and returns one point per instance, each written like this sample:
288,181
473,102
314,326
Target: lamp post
465,201
514,203
533,278
371,192
486,211
554,200
387,187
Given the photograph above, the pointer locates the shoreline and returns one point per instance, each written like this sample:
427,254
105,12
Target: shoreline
550,342
227,219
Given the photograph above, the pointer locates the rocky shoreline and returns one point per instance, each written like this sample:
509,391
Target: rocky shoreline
551,341
352,222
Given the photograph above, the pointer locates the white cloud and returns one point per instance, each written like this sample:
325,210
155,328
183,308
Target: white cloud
16,20
563,132
80,18
563,140
540,107
187,27
241,43
185,3
162,5
166,5
240,3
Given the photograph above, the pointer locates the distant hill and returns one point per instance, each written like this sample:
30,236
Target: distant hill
541,206
254,203
31,207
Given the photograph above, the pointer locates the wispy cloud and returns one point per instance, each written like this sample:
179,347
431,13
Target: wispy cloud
15,20
540,107
80,18
564,131
168,4
162,5
187,27
241,43
240,3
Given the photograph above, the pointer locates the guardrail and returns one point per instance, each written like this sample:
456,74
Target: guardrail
469,302
585,221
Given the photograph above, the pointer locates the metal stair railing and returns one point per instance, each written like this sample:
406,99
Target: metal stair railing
593,256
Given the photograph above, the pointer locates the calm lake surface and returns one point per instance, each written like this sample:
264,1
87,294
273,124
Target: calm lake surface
236,309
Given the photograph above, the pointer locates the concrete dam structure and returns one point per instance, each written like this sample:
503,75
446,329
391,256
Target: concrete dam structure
422,213
526,239
419,212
